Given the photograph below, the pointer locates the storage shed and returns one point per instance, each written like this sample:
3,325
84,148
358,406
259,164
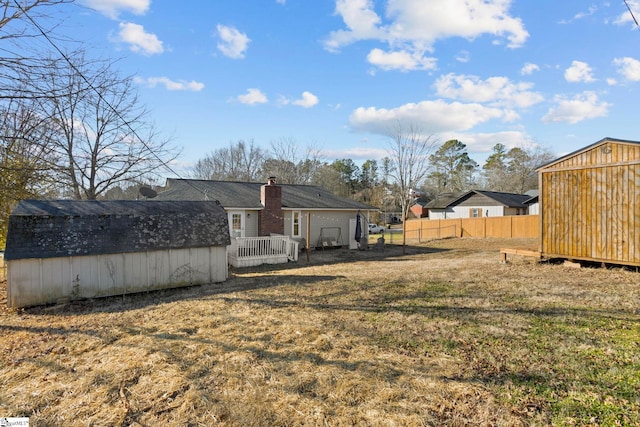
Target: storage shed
72,249
590,204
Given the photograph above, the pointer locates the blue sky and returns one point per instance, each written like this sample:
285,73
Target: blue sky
336,75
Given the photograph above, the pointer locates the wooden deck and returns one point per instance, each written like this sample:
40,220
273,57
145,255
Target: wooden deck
521,252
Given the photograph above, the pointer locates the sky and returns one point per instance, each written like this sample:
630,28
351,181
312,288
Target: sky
338,75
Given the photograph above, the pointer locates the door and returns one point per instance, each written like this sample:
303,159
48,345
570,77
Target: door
236,223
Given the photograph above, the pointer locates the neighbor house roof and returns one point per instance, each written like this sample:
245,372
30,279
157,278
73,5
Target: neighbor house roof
56,228
246,195
533,197
442,201
506,199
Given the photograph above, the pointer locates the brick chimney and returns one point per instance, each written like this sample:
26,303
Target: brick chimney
271,219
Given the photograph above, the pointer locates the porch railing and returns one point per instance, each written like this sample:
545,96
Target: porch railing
252,251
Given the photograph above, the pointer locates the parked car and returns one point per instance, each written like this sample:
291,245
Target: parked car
393,219
375,229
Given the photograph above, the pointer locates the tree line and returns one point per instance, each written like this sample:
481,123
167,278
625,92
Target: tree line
416,167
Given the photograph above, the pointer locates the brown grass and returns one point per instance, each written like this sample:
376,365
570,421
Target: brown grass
443,334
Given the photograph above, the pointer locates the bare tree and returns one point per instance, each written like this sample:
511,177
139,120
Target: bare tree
286,163
22,27
21,13
103,134
242,161
27,161
409,161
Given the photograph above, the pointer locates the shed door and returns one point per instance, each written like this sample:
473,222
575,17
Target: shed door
236,223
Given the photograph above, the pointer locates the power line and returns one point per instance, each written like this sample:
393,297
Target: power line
108,104
632,15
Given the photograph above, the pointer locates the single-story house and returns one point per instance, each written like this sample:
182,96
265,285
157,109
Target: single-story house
419,208
309,214
533,202
73,249
477,204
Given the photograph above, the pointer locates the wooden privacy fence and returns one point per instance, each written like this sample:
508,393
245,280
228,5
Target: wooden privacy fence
499,226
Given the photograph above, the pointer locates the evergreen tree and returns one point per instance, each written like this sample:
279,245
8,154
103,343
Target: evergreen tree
453,168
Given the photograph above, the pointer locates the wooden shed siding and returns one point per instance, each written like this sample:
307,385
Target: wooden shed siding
590,205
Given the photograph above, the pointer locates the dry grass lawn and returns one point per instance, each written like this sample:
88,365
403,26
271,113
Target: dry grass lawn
442,335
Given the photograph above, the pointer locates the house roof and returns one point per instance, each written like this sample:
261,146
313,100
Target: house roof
506,199
442,201
533,197
588,147
56,228
246,195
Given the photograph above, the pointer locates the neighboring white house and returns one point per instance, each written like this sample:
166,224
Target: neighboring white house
477,204
533,202
297,211
73,249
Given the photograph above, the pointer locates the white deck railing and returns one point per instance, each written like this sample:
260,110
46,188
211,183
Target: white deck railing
252,251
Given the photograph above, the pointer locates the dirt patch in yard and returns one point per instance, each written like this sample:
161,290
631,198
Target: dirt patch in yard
438,333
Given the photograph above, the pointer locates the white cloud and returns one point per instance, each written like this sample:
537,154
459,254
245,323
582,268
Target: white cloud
484,142
579,72
139,40
498,91
400,60
112,8
232,43
629,68
464,56
581,107
528,69
415,28
361,20
580,15
627,18
432,116
169,84
308,100
368,152
253,96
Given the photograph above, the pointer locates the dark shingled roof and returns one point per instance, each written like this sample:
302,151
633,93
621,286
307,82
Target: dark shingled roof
246,195
57,228
442,201
507,199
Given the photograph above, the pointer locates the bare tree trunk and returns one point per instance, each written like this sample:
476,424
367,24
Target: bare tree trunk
409,155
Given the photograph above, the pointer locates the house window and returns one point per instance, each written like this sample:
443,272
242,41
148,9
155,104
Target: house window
475,213
295,231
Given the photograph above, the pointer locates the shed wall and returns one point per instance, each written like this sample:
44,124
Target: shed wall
47,280
590,205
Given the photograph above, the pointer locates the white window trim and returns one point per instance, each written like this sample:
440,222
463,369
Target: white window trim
242,224
293,223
